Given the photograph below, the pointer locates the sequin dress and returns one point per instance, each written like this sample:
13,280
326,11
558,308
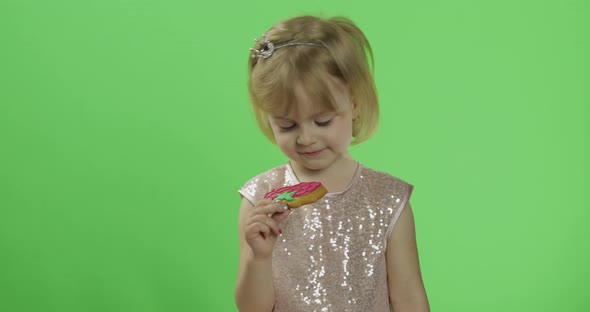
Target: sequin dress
331,255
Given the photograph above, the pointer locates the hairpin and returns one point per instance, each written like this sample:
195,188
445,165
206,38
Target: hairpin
268,47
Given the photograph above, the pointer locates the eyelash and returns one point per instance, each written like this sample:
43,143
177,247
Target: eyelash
319,124
324,124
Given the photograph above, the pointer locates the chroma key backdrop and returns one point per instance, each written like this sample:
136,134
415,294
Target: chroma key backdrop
125,132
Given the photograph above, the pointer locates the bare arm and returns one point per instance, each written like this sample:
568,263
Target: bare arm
257,233
406,289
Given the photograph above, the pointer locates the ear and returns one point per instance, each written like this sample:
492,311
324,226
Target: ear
355,109
354,105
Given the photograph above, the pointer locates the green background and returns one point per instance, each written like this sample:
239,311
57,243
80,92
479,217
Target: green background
125,131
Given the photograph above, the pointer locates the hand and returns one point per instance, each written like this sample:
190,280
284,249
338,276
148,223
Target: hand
262,227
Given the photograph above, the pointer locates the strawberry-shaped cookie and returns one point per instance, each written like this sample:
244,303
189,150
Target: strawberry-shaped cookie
299,194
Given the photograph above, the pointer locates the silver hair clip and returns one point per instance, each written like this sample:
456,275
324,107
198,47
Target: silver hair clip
268,47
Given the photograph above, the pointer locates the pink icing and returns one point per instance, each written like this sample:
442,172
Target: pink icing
300,189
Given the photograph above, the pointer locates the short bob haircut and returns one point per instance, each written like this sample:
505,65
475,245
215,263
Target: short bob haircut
345,55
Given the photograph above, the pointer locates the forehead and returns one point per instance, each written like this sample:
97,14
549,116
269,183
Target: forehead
301,112
309,99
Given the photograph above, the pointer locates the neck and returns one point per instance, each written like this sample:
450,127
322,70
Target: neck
336,178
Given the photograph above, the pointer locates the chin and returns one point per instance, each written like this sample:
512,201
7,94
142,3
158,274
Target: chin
314,165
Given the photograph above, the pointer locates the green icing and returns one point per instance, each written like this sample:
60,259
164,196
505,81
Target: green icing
286,196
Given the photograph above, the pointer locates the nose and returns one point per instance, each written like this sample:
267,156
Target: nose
305,136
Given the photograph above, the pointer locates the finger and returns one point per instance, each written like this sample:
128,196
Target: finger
258,228
271,209
263,202
268,221
282,215
260,206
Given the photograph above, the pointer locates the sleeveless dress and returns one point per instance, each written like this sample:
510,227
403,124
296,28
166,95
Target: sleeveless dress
331,255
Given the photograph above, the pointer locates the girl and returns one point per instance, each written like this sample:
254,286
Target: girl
313,95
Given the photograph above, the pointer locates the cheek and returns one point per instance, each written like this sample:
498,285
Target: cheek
275,133
282,139
342,133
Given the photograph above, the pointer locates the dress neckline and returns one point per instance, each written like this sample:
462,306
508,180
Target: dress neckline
355,177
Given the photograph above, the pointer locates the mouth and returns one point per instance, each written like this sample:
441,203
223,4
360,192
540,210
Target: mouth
312,153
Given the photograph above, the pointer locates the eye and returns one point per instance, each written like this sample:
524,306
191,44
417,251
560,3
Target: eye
286,128
323,123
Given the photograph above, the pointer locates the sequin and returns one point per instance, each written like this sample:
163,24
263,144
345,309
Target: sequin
331,255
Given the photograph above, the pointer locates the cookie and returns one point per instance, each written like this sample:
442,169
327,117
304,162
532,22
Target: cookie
298,195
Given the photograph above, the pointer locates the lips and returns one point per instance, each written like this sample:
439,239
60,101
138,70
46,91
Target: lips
312,153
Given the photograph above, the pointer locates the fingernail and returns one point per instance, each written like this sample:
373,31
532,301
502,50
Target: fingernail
284,206
277,200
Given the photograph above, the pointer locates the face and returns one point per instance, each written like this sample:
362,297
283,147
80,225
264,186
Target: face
314,137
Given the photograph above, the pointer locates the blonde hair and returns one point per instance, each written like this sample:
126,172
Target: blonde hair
343,55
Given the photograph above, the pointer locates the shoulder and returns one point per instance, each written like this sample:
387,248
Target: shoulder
385,181
394,192
269,176
255,188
